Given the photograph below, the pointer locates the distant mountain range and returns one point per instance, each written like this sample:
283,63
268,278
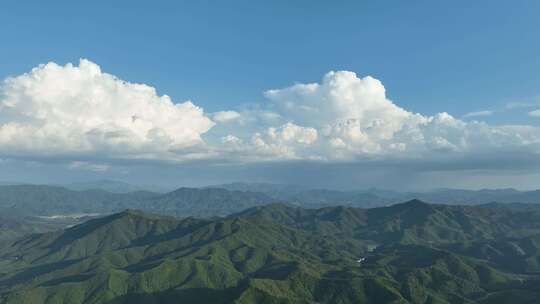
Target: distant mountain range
44,200
12,227
407,253
378,197
113,186
309,197
41,200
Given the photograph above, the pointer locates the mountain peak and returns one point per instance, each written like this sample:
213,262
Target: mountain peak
136,213
130,211
415,202
408,205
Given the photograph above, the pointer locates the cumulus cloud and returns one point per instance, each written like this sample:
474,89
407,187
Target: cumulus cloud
355,119
351,113
225,116
71,109
81,111
341,96
288,141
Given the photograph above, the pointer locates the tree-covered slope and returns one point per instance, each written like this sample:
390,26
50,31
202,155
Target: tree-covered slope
52,200
41,200
205,202
12,227
410,222
408,253
373,197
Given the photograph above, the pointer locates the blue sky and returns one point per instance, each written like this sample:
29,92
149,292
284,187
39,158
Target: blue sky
455,56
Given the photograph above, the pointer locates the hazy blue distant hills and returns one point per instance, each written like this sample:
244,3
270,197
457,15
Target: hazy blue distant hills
377,197
262,187
10,183
457,196
44,200
407,253
52,200
205,202
113,186
314,198
277,191
41,200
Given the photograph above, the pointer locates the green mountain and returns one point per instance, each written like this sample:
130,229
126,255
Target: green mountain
316,198
408,253
205,202
12,227
42,200
412,222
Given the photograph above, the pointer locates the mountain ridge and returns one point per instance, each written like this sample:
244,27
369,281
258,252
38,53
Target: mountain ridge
276,253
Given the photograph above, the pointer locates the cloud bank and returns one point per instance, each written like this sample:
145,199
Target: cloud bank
82,113
80,110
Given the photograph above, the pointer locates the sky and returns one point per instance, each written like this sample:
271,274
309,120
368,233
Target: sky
354,94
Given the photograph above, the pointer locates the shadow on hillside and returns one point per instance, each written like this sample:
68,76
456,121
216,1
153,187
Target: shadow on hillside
33,272
191,295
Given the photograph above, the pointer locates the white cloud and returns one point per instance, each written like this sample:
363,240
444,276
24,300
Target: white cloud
83,165
225,116
341,96
535,113
292,133
356,119
352,113
528,103
79,109
289,141
231,140
478,114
